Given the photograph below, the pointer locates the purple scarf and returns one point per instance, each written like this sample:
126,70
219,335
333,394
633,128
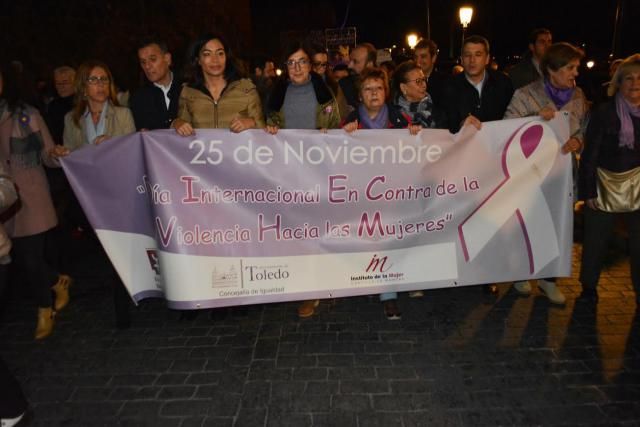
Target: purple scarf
559,96
378,122
625,111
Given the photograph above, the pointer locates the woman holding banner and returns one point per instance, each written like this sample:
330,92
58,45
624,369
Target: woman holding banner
96,115
95,118
375,113
218,97
301,100
555,91
609,178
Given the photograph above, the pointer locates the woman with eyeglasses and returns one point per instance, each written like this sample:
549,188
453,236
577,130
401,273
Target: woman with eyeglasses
301,100
95,118
374,112
411,96
96,115
25,145
218,96
320,65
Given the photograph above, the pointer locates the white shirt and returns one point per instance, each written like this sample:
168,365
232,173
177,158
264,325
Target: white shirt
478,85
165,90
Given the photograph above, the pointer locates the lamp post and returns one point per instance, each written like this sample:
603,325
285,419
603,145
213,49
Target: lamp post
412,40
465,13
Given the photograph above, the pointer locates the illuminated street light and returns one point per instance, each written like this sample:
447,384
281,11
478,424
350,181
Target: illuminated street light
590,64
465,13
412,40
278,72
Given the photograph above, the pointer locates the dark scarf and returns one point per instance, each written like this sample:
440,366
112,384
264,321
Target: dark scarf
560,97
25,145
420,112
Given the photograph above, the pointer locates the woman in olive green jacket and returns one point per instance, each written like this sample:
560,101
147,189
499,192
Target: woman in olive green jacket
218,97
301,99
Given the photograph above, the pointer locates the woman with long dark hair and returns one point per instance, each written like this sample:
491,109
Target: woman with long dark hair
218,96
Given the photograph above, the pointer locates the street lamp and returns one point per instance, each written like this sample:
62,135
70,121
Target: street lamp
465,13
412,40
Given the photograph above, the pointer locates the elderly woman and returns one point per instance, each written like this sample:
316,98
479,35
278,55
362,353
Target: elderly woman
25,144
301,100
555,91
612,156
410,94
96,115
375,113
218,97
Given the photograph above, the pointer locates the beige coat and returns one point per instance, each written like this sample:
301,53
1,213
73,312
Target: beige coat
34,212
530,99
119,122
239,98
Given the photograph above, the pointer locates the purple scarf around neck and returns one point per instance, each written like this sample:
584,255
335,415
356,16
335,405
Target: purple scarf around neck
378,122
560,97
625,111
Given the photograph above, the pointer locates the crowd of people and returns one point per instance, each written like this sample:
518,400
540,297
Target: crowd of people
214,91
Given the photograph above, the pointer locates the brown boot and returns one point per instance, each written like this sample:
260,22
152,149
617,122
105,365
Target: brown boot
61,289
307,308
45,322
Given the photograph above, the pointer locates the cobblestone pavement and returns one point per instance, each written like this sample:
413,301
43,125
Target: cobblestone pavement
454,359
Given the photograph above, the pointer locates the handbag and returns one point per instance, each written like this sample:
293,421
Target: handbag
618,191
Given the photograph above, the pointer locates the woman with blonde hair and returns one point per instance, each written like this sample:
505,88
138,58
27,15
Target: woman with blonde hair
96,115
609,176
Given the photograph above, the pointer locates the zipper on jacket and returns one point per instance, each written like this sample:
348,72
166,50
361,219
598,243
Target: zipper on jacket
215,114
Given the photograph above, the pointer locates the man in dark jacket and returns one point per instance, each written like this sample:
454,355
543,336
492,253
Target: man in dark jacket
155,105
426,53
528,70
478,91
476,95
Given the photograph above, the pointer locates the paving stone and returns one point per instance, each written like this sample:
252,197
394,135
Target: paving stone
454,360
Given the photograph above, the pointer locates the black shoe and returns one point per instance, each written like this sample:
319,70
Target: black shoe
589,294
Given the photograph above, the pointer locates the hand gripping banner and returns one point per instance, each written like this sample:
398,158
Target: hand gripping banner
222,219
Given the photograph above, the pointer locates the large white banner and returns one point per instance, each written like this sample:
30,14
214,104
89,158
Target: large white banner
225,219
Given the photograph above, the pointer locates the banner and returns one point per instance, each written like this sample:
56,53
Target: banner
223,219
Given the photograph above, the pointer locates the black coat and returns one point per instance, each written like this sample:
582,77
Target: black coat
602,149
435,86
149,108
460,99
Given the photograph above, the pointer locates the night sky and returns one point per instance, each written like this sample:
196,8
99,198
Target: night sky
46,34
505,23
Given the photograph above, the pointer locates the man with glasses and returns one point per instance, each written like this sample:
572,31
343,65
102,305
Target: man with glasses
155,105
